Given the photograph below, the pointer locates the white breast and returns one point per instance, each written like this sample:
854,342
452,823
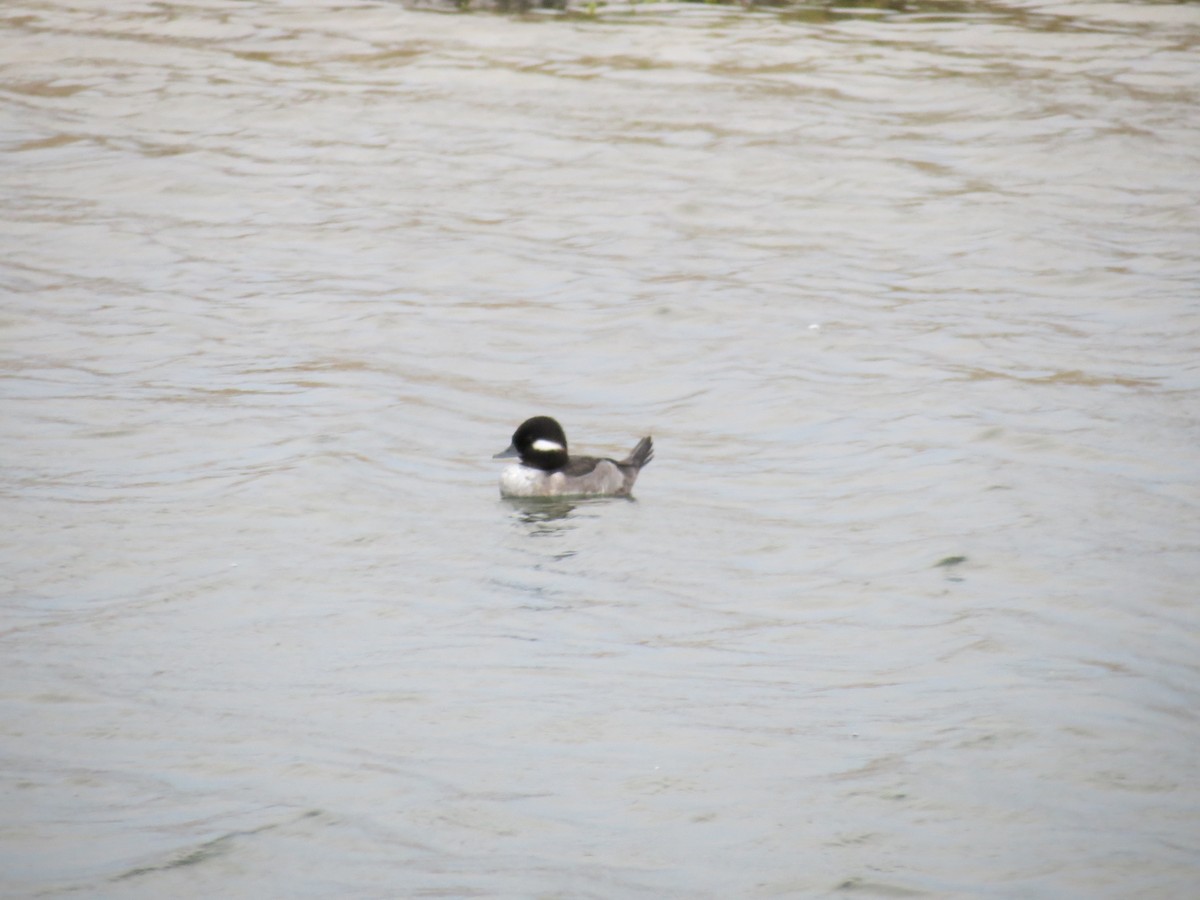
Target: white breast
525,481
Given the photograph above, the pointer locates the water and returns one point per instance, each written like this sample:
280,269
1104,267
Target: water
906,603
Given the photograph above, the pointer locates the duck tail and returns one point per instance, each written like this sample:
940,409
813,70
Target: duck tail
641,454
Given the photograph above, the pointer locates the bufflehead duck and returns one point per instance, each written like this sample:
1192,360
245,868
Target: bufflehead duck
546,470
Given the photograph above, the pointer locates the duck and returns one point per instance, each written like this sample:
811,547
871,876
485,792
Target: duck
546,468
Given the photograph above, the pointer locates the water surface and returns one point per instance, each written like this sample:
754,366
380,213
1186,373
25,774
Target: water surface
906,604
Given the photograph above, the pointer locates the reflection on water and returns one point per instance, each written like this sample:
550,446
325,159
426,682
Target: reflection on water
542,510
906,603
545,510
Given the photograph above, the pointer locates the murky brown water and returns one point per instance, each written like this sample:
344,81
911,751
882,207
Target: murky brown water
889,289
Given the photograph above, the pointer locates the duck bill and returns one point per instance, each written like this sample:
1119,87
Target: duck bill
509,453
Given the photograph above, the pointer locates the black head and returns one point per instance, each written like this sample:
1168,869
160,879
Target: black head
540,442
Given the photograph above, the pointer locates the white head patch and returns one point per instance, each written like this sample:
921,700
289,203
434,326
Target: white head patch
546,446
